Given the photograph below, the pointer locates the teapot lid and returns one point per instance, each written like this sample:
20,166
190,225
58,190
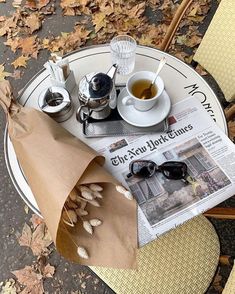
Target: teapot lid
96,85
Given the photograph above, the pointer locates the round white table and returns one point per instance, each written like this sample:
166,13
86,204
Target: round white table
180,81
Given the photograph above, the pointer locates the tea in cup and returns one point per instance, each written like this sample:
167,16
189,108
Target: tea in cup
136,84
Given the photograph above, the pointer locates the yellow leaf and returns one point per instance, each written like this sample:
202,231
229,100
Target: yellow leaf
193,12
64,35
3,73
146,41
13,43
99,21
45,43
20,61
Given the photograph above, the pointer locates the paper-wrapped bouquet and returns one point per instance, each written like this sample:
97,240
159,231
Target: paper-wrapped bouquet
85,208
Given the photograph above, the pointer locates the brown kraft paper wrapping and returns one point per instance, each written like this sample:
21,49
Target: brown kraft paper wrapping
54,161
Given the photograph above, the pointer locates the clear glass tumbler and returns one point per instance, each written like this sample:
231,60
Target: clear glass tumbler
123,49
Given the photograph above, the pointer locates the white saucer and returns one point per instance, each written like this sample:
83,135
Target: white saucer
144,118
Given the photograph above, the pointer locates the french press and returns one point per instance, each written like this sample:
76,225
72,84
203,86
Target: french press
97,95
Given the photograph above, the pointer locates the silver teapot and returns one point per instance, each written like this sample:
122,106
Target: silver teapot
97,95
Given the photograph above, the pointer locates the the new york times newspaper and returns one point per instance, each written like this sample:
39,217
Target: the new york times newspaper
193,138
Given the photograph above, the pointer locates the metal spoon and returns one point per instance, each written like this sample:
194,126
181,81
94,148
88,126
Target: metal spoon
147,93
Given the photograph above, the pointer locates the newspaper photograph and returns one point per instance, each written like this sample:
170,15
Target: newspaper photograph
194,139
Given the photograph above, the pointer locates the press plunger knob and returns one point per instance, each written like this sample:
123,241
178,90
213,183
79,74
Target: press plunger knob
95,84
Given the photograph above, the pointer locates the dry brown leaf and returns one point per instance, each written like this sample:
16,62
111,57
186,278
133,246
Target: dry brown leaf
33,22
8,24
69,3
3,73
46,43
153,4
38,240
48,271
20,61
36,220
31,4
17,74
181,39
216,284
10,287
181,55
194,9
29,278
42,3
99,21
201,70
137,10
193,41
13,43
16,3
26,236
69,11
69,41
28,46
41,239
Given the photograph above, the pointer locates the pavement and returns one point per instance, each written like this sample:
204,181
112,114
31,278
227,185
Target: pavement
69,277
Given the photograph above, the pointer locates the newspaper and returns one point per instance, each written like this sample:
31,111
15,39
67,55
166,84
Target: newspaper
194,138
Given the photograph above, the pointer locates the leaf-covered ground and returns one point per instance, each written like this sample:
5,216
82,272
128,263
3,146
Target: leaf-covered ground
94,22
29,32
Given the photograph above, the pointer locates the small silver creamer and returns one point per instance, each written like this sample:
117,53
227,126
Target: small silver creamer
55,101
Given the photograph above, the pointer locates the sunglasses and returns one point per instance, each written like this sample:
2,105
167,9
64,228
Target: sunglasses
173,170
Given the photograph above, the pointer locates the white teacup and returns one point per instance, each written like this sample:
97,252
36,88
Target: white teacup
142,104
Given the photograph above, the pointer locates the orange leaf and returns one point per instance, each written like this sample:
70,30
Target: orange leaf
42,3
28,45
31,4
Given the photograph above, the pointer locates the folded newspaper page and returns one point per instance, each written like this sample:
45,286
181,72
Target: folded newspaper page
194,138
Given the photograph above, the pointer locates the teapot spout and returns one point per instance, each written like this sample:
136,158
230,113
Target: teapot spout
112,71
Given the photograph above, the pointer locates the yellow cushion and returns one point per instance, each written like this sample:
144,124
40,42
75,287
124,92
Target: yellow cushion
216,52
182,261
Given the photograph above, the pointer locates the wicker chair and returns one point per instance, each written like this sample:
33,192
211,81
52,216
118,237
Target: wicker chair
207,48
181,261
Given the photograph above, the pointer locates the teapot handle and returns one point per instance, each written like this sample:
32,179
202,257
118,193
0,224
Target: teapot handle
81,118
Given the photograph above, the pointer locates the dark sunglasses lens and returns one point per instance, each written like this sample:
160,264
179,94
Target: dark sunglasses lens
143,168
174,170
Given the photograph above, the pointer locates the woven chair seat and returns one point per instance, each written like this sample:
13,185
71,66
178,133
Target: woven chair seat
181,261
